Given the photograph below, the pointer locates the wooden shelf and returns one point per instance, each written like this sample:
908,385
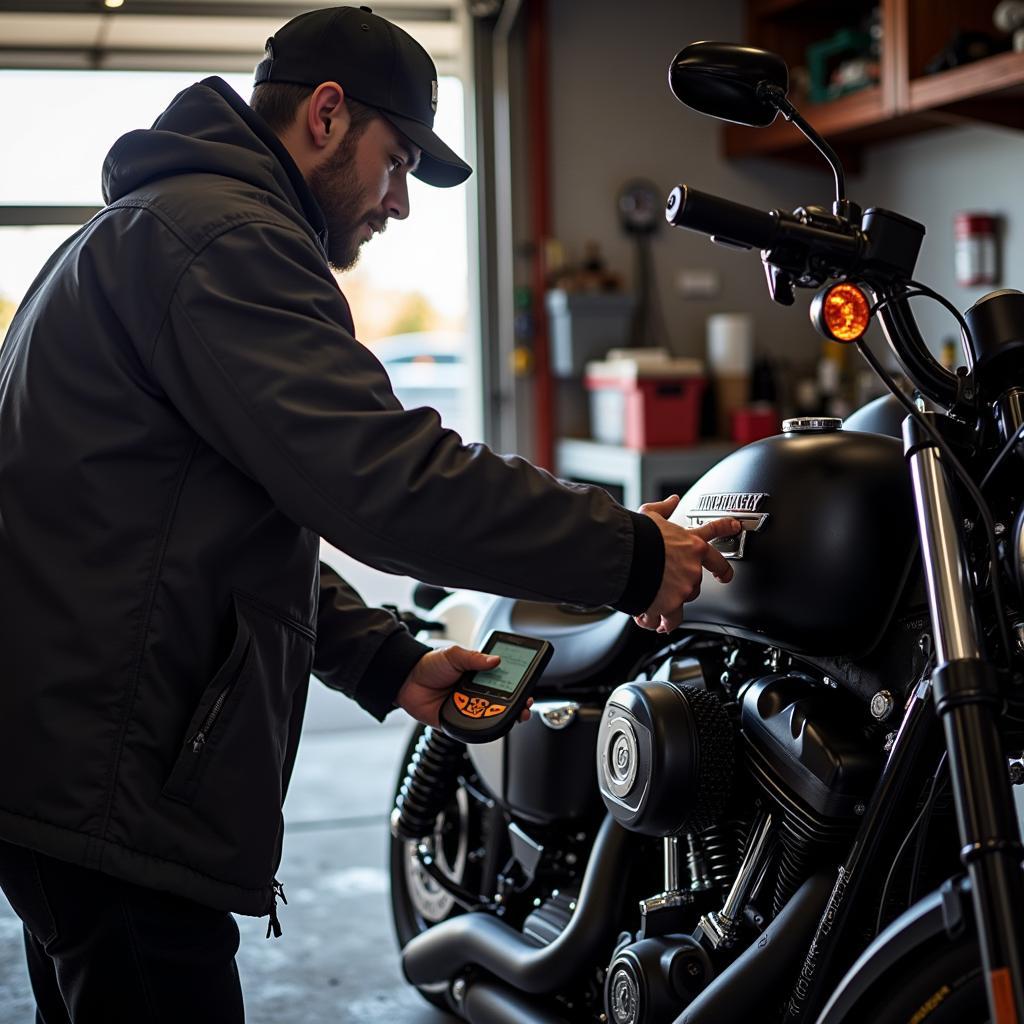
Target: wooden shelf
847,119
767,8
1000,76
988,91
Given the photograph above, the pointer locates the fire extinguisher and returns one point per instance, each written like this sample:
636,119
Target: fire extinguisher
976,251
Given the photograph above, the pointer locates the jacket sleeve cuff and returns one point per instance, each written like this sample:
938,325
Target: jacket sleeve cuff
387,671
647,569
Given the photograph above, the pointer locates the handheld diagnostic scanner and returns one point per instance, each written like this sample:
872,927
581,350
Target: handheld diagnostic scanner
485,705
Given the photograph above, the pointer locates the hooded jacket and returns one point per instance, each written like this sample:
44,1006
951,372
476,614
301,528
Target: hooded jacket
184,411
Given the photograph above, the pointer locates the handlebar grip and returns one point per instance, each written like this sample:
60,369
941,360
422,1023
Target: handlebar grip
728,221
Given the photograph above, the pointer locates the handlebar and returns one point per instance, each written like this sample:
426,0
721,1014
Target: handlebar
930,377
811,246
721,218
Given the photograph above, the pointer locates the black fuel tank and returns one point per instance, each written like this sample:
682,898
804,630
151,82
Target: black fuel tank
828,543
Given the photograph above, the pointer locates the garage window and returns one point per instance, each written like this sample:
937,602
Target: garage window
409,293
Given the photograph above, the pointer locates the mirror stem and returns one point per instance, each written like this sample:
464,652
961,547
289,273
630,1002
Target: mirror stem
777,98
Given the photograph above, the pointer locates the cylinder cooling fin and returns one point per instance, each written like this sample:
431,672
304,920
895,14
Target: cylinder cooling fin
665,757
807,744
806,750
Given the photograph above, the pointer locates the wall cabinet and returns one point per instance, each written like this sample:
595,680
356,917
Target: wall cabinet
905,100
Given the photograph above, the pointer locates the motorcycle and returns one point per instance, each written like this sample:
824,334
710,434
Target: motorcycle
802,807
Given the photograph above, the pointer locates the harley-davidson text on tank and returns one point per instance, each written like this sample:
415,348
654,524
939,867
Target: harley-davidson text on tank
741,505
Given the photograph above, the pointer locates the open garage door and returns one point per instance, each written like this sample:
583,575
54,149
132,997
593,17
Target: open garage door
109,71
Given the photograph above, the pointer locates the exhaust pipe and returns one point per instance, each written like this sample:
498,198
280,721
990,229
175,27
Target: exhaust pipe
487,1002
444,950
767,969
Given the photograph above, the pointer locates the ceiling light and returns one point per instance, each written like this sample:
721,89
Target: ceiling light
113,3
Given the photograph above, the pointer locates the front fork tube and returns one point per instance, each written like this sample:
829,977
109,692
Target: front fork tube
966,694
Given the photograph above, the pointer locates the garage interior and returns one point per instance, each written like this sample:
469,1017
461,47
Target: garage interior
498,303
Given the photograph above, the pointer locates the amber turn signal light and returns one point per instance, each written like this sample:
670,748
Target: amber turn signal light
841,312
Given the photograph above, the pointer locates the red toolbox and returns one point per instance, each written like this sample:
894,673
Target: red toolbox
755,421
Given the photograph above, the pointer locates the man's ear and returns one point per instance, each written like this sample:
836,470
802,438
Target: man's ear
327,117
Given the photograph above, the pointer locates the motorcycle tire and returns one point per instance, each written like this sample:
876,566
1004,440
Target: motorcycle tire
939,985
417,902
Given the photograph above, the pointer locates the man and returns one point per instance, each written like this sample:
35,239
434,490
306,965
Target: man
184,410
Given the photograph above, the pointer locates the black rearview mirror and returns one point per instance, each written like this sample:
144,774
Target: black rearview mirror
728,81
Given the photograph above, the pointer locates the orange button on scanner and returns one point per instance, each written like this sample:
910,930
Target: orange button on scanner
476,708
461,700
495,709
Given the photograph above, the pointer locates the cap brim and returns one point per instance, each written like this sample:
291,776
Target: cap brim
439,165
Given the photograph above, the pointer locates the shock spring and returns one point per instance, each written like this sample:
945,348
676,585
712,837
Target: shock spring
430,780
720,857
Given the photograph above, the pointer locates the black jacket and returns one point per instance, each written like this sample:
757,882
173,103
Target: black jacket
183,410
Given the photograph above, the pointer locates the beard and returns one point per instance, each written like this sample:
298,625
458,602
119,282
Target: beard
335,186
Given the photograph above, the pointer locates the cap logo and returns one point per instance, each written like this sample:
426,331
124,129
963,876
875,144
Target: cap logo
433,95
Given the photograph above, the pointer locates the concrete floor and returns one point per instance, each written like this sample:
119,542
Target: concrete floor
337,961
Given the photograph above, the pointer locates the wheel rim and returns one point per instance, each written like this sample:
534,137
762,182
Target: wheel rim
451,852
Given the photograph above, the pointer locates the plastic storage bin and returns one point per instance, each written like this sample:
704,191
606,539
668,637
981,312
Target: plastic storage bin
584,326
647,402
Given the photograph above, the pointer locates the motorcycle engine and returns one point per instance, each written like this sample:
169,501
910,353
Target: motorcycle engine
665,757
668,755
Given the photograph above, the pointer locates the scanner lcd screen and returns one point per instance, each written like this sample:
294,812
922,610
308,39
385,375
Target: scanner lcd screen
515,661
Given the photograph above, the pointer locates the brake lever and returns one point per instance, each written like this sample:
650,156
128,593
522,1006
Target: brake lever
780,284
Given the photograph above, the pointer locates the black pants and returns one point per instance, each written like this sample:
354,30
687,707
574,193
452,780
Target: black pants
102,951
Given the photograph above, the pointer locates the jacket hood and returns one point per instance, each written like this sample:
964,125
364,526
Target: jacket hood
209,129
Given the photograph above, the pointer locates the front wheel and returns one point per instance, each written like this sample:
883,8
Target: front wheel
941,985
417,901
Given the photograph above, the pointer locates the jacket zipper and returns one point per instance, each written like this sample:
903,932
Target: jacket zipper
277,893
208,723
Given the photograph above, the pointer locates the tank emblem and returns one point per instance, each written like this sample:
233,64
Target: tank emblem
741,505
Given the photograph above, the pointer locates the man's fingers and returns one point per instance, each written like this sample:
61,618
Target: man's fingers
717,528
712,558
670,622
662,508
718,564
468,661
647,620
661,623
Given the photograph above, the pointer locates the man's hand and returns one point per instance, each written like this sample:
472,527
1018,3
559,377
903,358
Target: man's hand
433,676
687,553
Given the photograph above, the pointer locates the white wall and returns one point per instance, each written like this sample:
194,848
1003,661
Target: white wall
931,177
613,118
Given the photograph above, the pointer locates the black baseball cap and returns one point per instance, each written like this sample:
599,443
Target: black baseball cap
376,63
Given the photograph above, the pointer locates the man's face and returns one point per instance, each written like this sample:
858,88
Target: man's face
360,185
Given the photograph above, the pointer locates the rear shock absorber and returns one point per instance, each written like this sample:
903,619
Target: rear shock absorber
430,780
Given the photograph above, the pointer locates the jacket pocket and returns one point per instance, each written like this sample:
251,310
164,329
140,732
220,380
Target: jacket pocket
240,739
215,704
